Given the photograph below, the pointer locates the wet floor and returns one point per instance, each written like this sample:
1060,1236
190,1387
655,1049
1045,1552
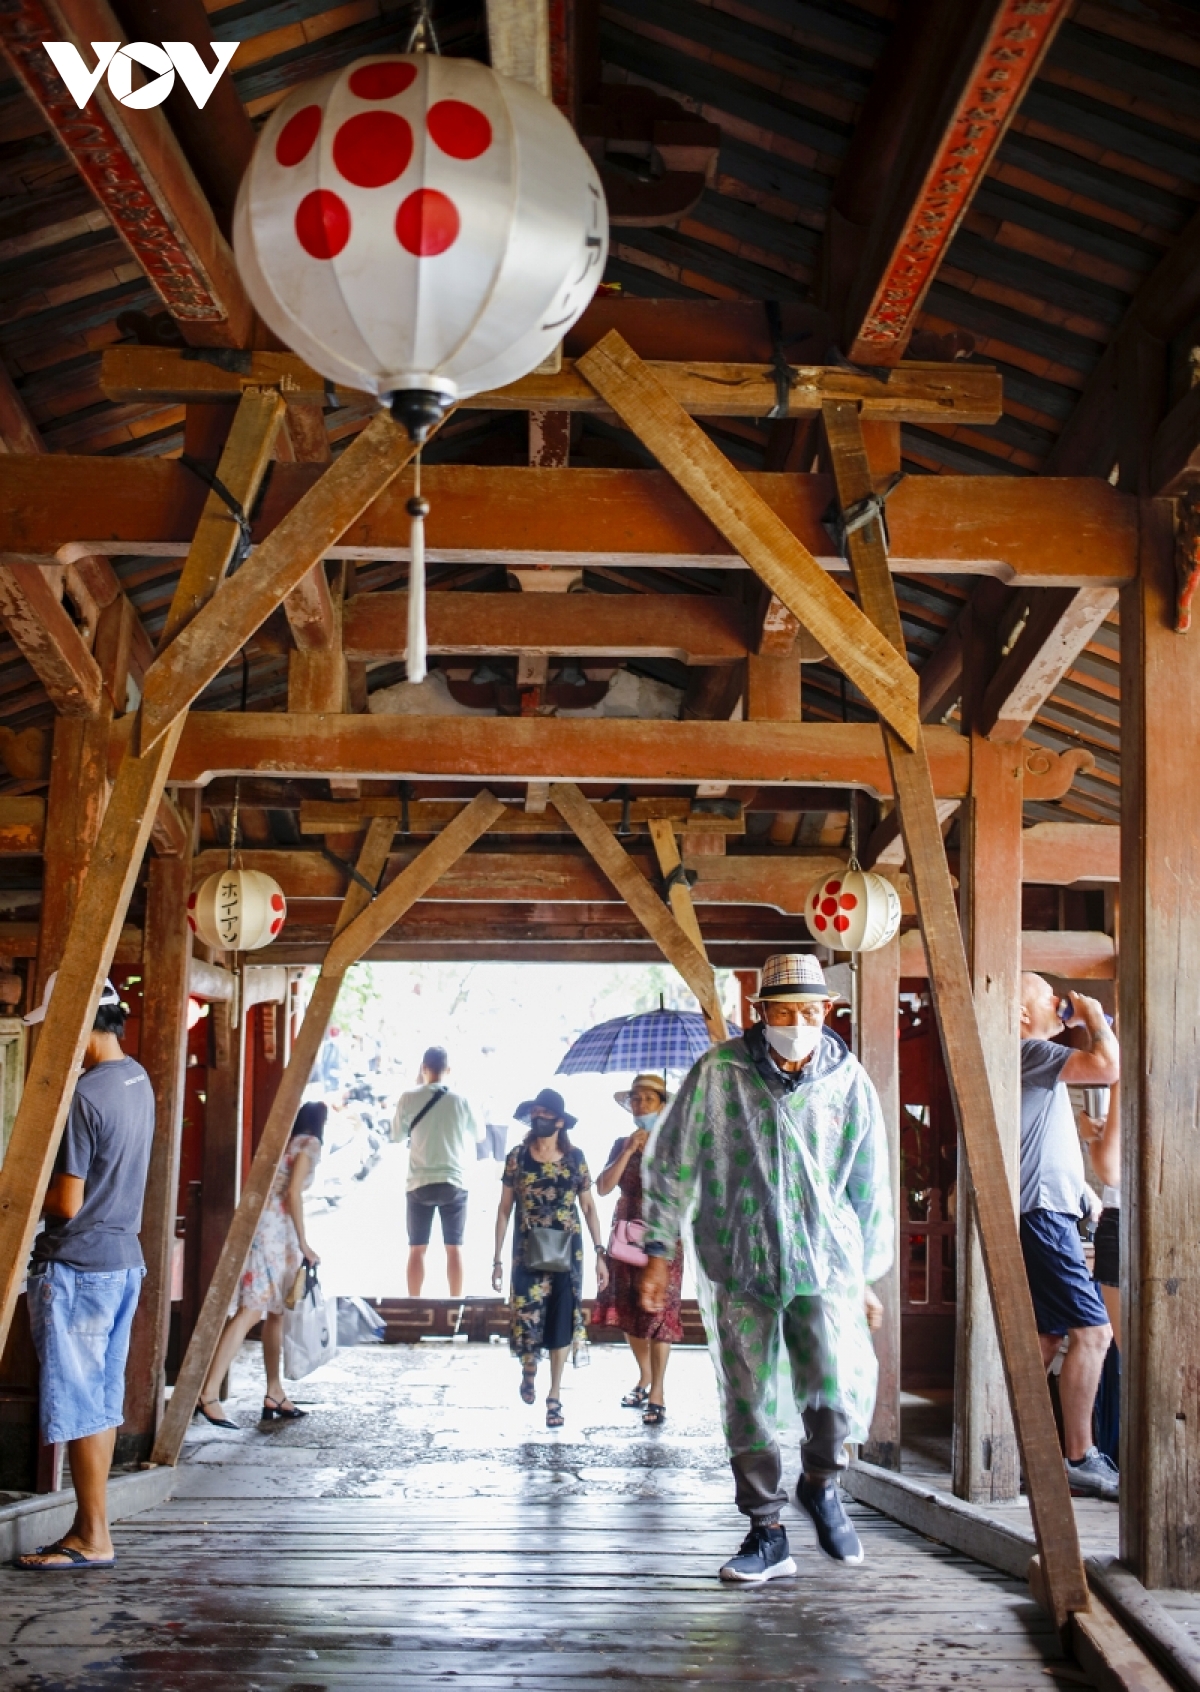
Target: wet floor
422,1528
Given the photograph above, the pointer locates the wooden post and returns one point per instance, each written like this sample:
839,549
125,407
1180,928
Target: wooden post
879,1054
986,1465
1159,973
966,1065
116,860
666,849
221,1165
358,926
167,954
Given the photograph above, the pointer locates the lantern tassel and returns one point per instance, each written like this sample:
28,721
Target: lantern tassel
415,652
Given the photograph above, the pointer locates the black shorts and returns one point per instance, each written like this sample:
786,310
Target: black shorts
449,1201
1106,1269
1064,1294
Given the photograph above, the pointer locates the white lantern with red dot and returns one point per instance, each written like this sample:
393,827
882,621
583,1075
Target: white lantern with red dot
237,910
420,228
853,911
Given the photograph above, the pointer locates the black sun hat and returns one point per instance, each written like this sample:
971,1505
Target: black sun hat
549,1100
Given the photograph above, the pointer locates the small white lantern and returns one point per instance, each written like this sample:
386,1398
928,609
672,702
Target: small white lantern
237,910
420,228
853,911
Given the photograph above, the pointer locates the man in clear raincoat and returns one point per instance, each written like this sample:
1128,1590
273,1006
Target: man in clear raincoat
774,1153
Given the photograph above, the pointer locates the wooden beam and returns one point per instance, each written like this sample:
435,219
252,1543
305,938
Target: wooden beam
216,635
133,164
1060,624
106,892
666,850
162,1051
878,1048
950,83
34,615
608,751
692,628
413,882
966,1067
1033,531
1069,954
22,824
430,816
931,393
1062,853
647,907
771,550
1159,1000
519,41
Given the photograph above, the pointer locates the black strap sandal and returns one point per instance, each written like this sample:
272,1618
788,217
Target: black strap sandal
215,1421
528,1390
554,1415
279,1407
655,1415
637,1399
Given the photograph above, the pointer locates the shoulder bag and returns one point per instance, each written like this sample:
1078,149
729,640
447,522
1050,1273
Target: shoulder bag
625,1243
547,1251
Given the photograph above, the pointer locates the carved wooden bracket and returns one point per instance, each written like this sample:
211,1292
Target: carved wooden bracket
1187,555
655,157
1048,775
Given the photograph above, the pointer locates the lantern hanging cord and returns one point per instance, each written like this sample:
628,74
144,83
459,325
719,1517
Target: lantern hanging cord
233,821
416,650
423,37
213,481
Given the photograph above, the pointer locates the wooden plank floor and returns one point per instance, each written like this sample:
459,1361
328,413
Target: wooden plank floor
422,1529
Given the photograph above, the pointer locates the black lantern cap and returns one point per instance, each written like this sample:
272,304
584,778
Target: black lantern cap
417,410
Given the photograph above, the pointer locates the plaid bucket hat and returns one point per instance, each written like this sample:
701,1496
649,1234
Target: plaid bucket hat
793,978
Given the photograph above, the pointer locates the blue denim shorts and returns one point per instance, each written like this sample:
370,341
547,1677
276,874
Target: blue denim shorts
81,1320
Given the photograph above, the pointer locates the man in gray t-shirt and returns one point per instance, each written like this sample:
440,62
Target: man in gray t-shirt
86,1274
1065,1300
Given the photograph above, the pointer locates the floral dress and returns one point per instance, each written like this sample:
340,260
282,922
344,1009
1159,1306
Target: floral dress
547,1309
619,1304
275,1251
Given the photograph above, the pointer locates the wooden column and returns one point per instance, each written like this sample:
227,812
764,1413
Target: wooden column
221,1168
1159,973
986,1463
167,956
879,1054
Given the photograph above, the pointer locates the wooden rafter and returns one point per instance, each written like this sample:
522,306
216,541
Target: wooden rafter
962,1046
136,168
37,620
116,862
1034,532
1061,622
771,550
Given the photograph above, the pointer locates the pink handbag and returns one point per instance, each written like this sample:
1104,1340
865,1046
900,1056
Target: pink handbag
625,1243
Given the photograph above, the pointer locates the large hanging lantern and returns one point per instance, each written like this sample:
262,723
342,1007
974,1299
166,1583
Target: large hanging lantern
237,910
853,911
420,228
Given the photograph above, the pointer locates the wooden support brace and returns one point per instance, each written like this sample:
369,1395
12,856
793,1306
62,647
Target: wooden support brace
419,876
279,565
770,548
666,849
48,640
966,1067
104,897
647,907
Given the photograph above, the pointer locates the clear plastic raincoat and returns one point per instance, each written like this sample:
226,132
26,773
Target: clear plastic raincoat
783,1180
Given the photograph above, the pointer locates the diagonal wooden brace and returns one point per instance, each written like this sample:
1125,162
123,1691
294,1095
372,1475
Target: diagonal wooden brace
647,907
274,569
666,850
769,547
950,984
106,891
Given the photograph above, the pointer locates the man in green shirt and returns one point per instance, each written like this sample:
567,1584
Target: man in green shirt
442,1132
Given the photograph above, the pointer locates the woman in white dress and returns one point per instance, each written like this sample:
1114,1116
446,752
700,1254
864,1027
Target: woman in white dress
279,1248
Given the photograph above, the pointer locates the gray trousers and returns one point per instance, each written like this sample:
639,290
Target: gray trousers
745,1349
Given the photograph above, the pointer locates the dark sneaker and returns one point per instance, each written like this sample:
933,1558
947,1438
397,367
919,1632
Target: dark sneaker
834,1529
764,1556
1094,1476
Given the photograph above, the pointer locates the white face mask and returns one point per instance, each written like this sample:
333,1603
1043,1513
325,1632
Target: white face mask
647,1122
794,1043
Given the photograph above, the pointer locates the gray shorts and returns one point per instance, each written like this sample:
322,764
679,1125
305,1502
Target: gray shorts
450,1203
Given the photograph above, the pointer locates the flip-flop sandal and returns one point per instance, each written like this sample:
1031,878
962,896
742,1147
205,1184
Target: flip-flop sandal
635,1400
554,1415
75,1560
655,1415
528,1390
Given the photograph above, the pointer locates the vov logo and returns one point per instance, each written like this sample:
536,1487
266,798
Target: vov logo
119,61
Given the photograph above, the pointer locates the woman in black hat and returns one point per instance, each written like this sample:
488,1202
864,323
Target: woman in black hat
543,1178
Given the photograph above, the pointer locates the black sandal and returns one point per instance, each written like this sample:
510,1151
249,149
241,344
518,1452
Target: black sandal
215,1421
554,1415
637,1399
528,1390
279,1407
655,1415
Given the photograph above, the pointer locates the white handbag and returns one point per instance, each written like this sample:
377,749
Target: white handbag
309,1333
